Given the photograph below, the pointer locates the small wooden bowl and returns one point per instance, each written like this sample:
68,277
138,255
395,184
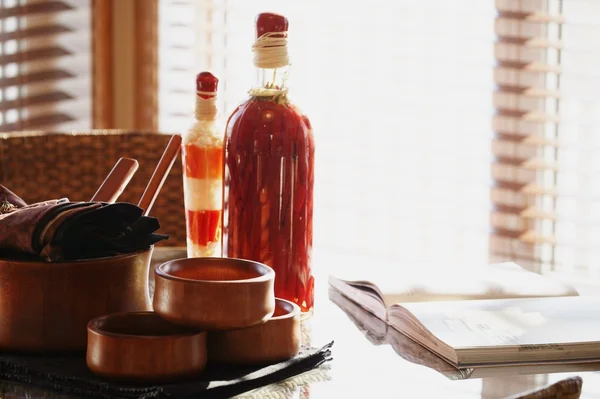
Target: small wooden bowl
46,307
140,346
276,340
214,293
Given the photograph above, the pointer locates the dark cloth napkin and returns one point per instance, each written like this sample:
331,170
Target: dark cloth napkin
60,230
70,375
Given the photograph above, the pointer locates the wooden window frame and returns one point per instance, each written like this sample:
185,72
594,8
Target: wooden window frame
125,64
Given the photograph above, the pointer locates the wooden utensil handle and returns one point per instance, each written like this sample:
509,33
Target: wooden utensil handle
116,181
160,174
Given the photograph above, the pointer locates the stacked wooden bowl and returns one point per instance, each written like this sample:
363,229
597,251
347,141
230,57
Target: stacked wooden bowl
205,310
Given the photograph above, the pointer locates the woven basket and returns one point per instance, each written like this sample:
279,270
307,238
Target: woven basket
44,165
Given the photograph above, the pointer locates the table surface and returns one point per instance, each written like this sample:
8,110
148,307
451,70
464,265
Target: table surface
371,360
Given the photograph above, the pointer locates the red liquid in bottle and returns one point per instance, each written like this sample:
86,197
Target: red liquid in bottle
269,174
202,156
269,178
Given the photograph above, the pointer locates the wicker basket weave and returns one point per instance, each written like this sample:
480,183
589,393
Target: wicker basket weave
43,165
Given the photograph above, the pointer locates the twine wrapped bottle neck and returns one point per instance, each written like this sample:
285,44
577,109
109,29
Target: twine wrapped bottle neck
206,106
271,53
271,50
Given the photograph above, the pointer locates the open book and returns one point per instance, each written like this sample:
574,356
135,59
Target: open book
496,281
499,314
378,333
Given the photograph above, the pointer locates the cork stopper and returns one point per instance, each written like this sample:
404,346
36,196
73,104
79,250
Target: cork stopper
271,46
206,96
267,22
206,84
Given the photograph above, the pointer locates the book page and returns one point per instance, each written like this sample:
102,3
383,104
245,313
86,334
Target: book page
530,324
497,281
365,294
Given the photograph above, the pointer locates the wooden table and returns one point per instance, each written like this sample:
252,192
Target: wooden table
365,367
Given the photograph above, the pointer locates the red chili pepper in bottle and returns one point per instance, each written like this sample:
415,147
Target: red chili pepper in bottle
269,173
202,156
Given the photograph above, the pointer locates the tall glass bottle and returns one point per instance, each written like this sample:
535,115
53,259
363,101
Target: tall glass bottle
269,173
202,156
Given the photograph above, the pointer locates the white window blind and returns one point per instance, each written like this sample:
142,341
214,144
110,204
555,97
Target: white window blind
547,142
399,95
45,65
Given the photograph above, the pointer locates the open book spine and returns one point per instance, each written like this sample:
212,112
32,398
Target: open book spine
370,302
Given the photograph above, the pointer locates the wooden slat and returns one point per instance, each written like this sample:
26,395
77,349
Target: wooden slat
508,209
529,42
526,163
180,47
537,214
49,6
35,55
531,116
36,77
508,185
178,25
536,189
513,161
41,99
540,164
540,17
506,233
531,140
529,189
528,66
179,69
102,66
179,115
180,91
37,123
536,92
34,32
146,57
532,237
540,141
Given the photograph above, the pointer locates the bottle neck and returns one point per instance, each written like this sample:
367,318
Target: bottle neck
269,78
206,108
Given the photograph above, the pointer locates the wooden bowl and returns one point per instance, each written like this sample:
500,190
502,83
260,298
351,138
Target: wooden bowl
140,346
214,293
276,340
47,306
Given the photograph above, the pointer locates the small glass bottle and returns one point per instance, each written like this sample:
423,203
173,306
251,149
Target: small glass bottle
269,173
202,156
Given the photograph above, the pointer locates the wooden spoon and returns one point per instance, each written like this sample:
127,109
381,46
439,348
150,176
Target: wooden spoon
116,181
160,174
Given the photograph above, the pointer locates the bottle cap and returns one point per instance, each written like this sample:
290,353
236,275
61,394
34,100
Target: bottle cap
206,82
268,22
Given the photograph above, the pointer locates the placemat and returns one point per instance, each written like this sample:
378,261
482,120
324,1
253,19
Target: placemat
69,374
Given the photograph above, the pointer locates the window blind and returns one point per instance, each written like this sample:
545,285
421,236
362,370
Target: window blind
399,97
547,124
45,65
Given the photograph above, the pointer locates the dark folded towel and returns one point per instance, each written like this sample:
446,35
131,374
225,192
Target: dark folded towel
58,230
69,375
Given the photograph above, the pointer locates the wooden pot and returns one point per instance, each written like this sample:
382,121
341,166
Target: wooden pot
47,306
